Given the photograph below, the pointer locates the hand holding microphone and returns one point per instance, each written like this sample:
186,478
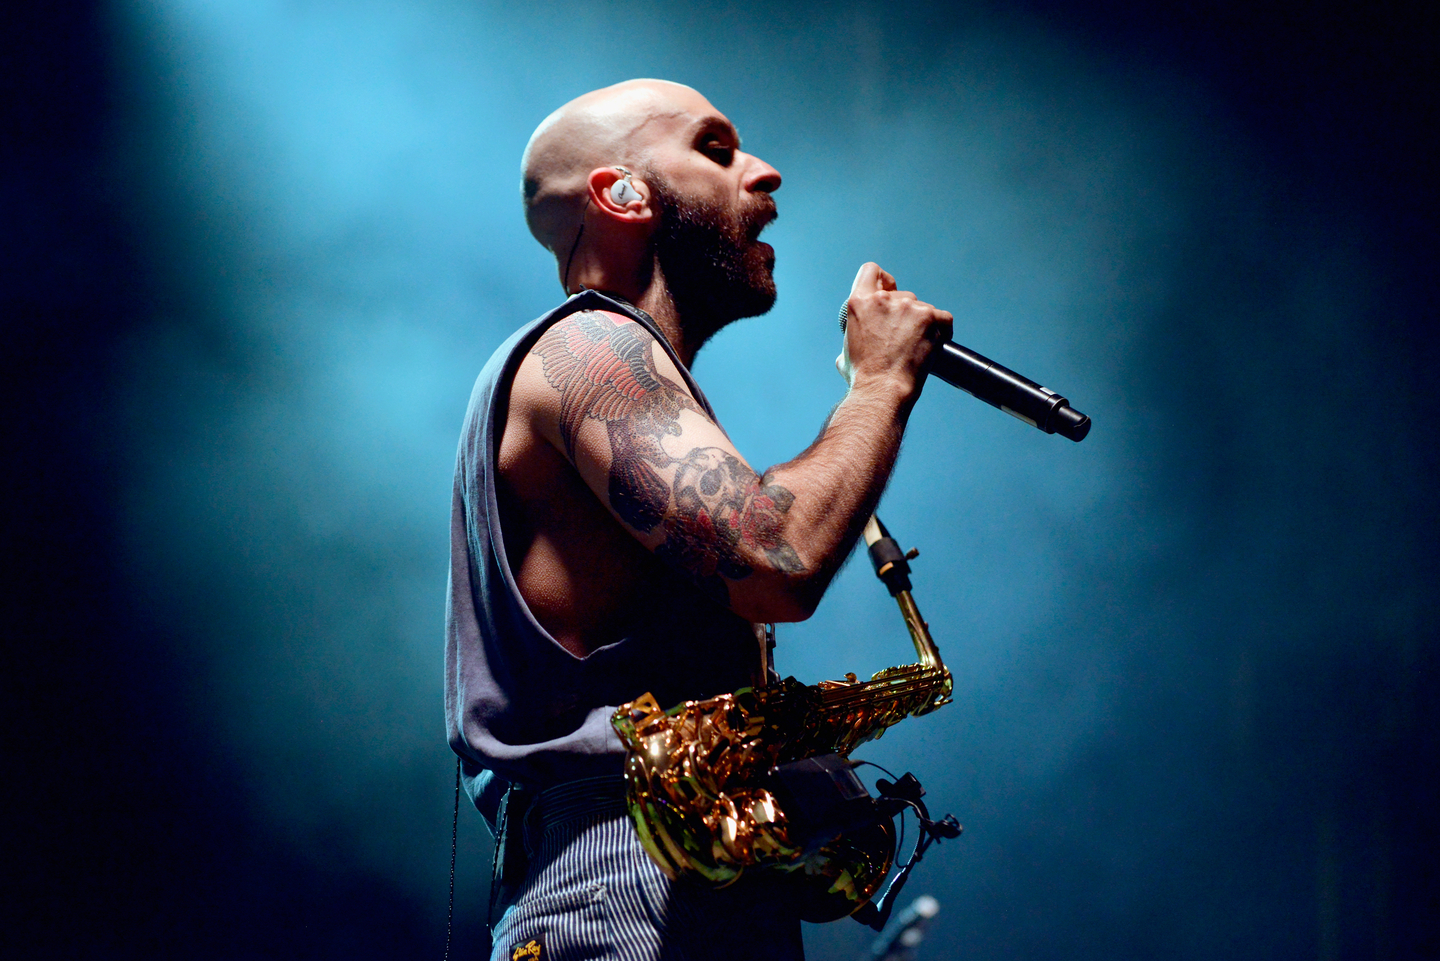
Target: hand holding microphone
973,373
893,344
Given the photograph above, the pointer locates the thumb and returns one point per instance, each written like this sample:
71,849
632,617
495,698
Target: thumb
867,279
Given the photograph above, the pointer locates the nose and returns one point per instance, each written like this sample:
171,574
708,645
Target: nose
761,177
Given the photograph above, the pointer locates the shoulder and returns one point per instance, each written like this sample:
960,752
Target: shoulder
585,336
599,355
602,369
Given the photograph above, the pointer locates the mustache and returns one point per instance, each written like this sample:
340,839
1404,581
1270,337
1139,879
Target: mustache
762,215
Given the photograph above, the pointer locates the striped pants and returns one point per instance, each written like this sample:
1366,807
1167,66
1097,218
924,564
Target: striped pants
591,892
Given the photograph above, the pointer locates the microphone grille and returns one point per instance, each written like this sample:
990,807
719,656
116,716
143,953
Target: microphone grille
844,315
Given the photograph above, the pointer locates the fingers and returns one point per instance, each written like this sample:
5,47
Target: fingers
871,277
866,279
892,334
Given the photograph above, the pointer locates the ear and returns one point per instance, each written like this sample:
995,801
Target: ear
601,185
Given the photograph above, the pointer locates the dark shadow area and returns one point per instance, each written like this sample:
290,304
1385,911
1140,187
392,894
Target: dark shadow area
126,832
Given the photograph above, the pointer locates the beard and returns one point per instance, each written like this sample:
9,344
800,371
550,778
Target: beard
715,268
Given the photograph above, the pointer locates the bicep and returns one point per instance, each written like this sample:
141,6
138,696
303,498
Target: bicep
607,395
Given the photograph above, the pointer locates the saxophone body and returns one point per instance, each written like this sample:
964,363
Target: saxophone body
698,774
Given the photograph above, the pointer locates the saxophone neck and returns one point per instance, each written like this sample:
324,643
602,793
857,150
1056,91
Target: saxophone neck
892,566
765,639
925,648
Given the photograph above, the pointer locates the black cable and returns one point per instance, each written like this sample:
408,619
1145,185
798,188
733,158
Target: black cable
873,764
875,914
565,281
454,843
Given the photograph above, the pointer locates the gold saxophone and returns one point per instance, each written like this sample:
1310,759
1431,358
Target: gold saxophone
696,773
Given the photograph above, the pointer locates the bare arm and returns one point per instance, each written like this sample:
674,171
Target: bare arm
601,390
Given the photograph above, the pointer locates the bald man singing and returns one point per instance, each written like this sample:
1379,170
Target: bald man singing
607,539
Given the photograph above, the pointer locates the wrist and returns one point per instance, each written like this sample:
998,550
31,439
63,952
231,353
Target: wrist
890,388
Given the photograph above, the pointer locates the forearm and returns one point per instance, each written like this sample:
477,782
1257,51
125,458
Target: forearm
836,484
833,487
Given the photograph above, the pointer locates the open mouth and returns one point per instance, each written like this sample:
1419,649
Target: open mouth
762,220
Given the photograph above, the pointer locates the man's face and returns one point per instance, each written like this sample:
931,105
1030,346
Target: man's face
712,200
711,255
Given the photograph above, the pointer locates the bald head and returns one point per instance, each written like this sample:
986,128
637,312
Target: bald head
613,126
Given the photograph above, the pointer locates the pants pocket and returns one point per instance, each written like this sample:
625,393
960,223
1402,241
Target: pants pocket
571,926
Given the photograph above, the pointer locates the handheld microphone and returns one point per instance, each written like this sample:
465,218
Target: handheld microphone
900,944
998,386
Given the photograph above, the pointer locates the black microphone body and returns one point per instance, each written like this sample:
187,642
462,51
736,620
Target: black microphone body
1001,387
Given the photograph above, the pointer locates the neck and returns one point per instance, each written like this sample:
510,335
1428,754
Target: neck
683,329
659,304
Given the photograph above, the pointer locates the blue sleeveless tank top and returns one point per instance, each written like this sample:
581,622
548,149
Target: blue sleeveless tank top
520,707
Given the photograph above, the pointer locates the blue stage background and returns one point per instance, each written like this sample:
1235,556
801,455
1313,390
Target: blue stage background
259,251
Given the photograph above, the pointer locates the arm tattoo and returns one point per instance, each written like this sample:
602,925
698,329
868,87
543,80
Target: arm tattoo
716,509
